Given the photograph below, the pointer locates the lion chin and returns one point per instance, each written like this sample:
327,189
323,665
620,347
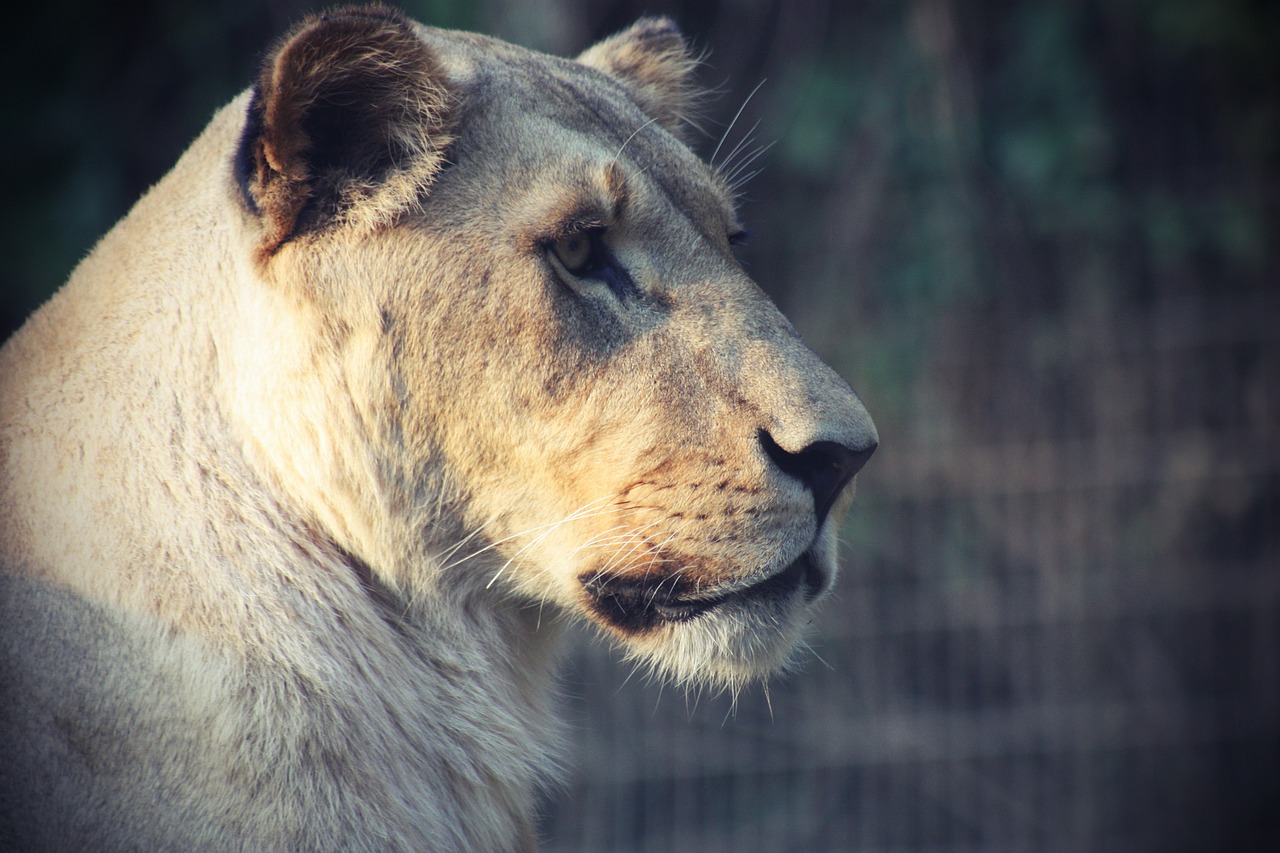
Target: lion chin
719,637
424,336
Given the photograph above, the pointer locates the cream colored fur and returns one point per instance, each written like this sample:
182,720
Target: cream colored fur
303,470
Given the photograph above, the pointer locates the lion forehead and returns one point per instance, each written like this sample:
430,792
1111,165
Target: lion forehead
525,116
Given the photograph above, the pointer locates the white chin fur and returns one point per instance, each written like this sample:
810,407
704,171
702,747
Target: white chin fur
749,636
733,645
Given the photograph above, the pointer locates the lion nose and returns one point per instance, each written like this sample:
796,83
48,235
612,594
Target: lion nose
824,467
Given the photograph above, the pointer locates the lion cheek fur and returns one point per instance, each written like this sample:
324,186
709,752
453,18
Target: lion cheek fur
292,465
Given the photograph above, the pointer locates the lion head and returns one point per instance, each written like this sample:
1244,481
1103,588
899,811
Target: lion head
510,352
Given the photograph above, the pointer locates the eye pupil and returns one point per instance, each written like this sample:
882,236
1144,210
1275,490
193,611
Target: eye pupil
574,251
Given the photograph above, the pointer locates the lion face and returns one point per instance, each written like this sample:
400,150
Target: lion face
572,394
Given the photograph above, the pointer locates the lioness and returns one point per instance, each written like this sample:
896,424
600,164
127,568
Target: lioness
426,340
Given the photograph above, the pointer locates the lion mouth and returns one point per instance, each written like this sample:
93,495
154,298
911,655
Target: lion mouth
640,604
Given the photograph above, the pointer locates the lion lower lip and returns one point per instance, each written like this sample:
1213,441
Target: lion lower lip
638,605
682,611
784,583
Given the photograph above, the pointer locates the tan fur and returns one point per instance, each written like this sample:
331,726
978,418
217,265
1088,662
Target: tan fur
304,468
654,62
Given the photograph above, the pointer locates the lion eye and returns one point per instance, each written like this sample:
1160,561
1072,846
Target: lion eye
583,256
575,252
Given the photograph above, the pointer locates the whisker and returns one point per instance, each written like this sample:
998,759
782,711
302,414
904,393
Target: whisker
729,129
638,540
811,650
449,552
529,545
633,135
585,511
603,538
744,141
634,668
735,177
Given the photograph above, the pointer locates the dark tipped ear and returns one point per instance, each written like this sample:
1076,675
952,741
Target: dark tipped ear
348,123
653,60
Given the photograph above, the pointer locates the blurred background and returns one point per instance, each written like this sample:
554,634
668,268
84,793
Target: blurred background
1040,239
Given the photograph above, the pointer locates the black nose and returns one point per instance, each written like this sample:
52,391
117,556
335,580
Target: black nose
825,467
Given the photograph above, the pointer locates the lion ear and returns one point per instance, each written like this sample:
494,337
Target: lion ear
653,60
348,122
